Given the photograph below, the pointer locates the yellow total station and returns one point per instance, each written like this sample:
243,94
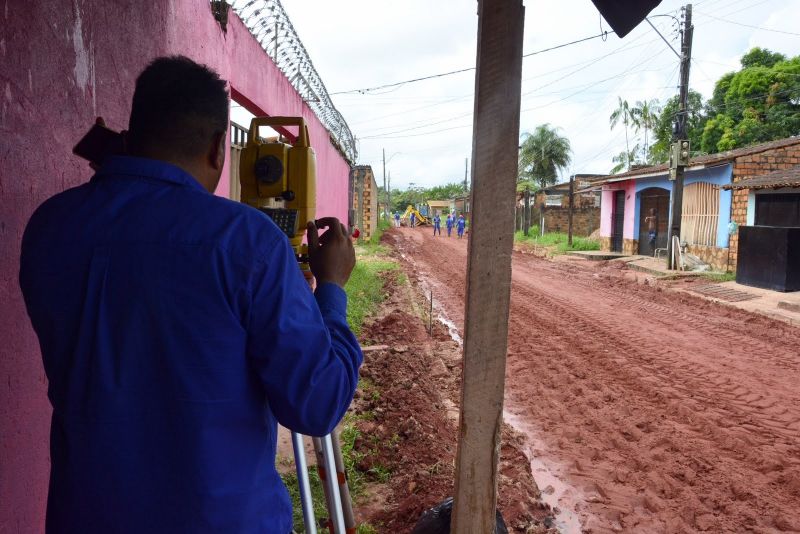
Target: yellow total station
279,178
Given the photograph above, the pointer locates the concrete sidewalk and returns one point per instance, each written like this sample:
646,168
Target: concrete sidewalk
781,306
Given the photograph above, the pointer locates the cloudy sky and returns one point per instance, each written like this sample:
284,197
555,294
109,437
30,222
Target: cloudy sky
426,127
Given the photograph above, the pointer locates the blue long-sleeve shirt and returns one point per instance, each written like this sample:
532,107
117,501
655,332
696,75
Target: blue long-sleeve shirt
176,330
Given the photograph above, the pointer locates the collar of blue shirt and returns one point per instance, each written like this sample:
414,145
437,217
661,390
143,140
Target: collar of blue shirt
149,168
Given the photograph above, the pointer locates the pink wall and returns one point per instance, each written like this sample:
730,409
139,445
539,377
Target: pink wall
607,208
62,65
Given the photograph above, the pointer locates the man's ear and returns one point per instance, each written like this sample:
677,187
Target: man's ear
216,155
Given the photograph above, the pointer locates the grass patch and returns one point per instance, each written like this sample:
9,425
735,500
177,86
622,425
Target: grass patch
365,289
719,277
533,235
557,240
317,493
372,245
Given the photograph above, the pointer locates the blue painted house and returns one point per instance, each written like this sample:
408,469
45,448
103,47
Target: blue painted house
708,206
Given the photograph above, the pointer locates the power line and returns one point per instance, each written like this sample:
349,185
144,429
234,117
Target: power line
582,88
749,25
450,73
624,48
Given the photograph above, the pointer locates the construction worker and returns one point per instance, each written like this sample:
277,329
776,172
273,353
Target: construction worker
413,219
177,330
449,224
462,223
437,225
397,219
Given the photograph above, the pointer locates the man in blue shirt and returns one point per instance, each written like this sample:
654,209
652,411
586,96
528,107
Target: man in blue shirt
437,224
177,330
461,225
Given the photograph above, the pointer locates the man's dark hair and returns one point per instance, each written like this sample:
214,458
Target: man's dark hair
178,106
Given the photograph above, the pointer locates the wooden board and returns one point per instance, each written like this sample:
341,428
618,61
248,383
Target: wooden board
495,139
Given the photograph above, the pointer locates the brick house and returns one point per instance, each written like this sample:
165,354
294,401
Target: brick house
551,207
364,200
708,207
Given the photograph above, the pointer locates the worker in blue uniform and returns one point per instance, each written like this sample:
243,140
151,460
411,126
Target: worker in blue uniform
177,330
461,225
437,225
449,222
413,218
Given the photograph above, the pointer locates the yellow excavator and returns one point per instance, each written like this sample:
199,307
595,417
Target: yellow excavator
420,218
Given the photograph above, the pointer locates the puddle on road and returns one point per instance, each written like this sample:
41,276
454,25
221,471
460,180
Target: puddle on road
563,496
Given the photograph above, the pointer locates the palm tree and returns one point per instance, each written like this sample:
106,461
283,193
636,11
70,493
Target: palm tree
542,154
625,115
622,159
645,114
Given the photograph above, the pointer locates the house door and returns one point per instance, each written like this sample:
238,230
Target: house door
653,198
618,220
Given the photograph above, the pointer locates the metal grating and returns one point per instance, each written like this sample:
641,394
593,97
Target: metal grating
721,292
271,27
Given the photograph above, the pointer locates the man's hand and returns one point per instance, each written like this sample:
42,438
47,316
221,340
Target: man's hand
331,255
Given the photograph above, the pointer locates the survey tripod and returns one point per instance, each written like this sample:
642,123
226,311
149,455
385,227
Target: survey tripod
279,179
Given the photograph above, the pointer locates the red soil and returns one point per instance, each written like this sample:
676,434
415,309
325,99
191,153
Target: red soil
412,425
656,411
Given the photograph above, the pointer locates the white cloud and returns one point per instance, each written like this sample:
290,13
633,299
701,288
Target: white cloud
363,43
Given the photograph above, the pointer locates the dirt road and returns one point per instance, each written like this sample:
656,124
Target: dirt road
647,410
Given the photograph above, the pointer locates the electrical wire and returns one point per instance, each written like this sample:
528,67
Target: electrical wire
450,73
582,88
624,48
749,25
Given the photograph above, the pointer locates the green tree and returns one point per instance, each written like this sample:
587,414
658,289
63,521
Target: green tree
542,154
761,57
445,192
621,160
760,102
645,114
659,151
623,114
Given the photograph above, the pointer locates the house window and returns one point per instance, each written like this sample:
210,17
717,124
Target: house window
700,214
778,210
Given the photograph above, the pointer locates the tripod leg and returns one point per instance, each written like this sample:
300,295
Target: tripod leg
306,501
344,489
326,466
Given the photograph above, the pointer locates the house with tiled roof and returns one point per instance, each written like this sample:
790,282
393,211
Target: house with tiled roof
714,206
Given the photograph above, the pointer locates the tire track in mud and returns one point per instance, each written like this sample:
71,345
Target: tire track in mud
664,411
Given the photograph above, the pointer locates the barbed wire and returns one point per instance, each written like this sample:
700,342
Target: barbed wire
270,26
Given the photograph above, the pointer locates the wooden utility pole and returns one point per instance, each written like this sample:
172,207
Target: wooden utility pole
466,163
679,153
571,208
385,191
526,215
495,137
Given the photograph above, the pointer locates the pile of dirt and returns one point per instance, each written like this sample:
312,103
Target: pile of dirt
410,425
